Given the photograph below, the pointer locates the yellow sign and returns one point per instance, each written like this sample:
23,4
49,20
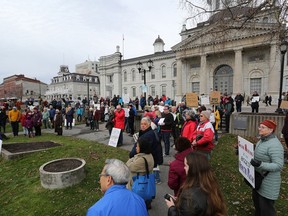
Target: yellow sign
215,97
284,104
191,99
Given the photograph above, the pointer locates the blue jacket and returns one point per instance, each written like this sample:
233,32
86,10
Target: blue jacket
119,201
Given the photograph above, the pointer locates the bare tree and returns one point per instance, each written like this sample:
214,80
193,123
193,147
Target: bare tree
228,15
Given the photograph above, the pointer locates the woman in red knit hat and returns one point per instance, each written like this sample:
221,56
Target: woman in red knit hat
268,161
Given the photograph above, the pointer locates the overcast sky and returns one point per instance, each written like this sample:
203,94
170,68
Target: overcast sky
37,36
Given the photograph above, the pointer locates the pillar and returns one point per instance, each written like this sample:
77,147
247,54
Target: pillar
238,73
203,75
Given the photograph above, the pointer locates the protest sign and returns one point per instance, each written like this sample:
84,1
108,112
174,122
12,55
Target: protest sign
215,97
204,99
284,104
114,137
191,99
246,153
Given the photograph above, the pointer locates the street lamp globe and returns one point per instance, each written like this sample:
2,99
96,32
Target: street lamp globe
283,47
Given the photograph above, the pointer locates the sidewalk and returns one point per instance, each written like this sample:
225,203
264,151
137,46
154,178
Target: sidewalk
102,136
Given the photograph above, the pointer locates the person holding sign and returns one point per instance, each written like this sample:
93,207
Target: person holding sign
255,102
268,160
119,122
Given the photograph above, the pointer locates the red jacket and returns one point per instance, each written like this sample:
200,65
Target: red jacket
206,130
119,119
177,174
189,129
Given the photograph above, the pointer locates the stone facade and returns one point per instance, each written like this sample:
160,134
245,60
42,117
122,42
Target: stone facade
73,85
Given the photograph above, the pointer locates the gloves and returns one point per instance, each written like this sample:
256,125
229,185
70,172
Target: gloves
255,163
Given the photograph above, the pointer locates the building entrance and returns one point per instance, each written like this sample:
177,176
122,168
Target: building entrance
223,79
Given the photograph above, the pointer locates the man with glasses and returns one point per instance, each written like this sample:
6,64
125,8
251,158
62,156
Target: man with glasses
117,199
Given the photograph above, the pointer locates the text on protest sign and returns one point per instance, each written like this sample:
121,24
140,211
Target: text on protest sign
114,137
246,153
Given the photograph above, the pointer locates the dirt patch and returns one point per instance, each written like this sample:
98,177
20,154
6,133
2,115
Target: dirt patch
62,165
26,147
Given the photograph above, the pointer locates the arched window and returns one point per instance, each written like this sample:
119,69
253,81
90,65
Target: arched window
163,70
133,91
125,76
175,70
133,75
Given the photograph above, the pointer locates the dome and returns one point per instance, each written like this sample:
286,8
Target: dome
158,40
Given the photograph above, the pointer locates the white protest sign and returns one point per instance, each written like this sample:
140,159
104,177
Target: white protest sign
255,99
0,146
246,153
126,98
114,137
204,99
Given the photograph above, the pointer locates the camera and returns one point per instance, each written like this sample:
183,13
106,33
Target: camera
168,196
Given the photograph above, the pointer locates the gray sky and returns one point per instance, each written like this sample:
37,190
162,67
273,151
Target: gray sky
37,36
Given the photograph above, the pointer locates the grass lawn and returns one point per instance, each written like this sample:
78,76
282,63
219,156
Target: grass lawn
21,192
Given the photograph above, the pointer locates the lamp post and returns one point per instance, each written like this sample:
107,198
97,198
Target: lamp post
88,101
139,65
283,50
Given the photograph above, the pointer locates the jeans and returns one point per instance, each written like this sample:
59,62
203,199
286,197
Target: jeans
166,139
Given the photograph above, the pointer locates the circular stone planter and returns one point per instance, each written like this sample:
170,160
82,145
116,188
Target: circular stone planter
62,173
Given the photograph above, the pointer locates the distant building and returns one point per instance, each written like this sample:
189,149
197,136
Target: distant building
121,77
83,83
218,54
21,87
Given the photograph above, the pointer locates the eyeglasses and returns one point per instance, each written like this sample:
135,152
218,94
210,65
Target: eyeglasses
102,175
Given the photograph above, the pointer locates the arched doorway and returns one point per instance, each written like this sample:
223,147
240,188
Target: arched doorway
223,79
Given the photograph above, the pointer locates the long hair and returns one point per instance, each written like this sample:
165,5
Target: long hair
201,175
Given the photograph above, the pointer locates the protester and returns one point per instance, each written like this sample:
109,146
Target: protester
46,119
23,121
14,116
58,122
151,136
97,117
37,121
268,161
52,113
3,119
255,102
177,174
200,193
119,122
131,119
136,164
203,138
117,200
29,124
217,122
190,125
69,117
166,128
110,122
177,124
239,100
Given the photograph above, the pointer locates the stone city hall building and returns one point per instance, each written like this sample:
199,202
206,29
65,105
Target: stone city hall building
218,54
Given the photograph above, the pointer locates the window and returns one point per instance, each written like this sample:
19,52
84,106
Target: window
255,85
163,90
125,91
175,70
152,74
125,76
286,85
133,75
163,69
110,79
153,92
196,87
133,92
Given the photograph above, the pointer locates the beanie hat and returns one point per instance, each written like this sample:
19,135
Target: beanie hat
206,113
270,124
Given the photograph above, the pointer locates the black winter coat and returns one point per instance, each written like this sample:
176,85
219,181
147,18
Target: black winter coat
193,203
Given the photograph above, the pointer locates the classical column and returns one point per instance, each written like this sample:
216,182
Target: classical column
274,70
179,93
238,73
203,75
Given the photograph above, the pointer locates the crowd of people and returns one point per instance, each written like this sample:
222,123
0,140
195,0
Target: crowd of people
194,133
